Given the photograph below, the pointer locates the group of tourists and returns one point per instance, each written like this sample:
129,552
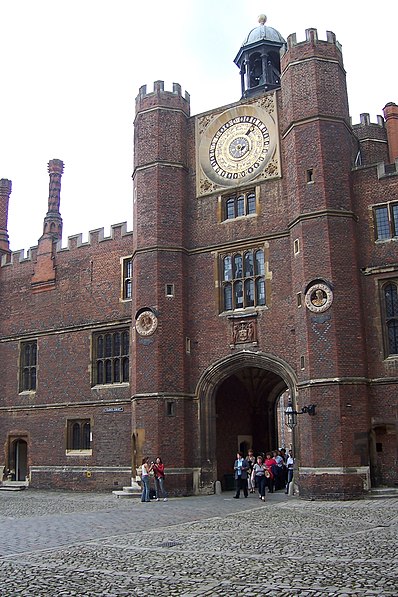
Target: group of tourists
271,471
156,470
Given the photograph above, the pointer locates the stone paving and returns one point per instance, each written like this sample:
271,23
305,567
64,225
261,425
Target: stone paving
71,544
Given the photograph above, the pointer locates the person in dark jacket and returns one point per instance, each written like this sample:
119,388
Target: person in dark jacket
241,468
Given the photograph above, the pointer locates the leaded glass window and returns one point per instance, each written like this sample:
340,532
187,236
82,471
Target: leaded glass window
243,282
239,204
391,313
386,221
127,278
111,357
78,435
28,366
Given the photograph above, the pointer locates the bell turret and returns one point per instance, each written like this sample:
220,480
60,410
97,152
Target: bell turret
259,59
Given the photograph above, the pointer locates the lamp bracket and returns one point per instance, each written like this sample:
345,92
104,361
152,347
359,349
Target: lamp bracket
309,410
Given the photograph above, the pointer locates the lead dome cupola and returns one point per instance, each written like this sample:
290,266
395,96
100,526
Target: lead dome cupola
259,59
263,33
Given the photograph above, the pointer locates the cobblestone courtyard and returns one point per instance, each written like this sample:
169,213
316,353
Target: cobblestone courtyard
58,543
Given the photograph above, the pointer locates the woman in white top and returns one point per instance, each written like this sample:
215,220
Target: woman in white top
290,466
259,474
145,470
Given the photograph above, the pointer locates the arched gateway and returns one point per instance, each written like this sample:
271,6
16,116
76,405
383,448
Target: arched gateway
237,400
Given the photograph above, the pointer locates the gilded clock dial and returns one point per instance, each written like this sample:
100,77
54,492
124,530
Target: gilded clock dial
239,148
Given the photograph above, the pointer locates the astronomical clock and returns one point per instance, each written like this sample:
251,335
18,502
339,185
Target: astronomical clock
237,146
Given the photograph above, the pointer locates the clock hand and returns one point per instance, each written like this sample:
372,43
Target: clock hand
250,130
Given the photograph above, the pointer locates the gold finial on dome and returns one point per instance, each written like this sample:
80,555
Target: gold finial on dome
262,19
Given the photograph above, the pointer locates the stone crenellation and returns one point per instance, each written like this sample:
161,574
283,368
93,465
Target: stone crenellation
159,98
311,36
75,241
365,120
158,87
386,170
372,138
96,236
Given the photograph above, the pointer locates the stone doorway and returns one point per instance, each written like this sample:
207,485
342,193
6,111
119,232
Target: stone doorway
18,459
239,400
384,454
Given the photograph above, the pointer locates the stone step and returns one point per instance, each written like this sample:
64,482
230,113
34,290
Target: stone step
14,487
130,489
383,492
128,492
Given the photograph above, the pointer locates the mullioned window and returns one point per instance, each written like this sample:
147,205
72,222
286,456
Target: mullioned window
111,357
28,366
243,280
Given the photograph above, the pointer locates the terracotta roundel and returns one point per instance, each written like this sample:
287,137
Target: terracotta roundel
318,298
146,323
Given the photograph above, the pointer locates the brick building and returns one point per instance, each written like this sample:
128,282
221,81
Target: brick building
262,274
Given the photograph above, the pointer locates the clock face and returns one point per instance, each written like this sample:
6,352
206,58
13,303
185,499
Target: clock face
239,148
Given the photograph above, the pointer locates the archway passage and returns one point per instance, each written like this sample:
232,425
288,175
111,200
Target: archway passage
246,416
238,396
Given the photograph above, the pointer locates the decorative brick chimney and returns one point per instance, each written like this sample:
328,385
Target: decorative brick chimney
43,278
5,192
53,221
390,111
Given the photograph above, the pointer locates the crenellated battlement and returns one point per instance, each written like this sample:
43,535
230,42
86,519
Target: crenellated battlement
364,120
158,87
75,241
159,97
366,129
311,37
311,47
96,236
16,257
372,138
387,170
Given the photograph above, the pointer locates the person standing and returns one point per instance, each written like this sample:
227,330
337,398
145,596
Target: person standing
158,471
290,467
145,470
259,473
279,482
241,466
250,477
270,464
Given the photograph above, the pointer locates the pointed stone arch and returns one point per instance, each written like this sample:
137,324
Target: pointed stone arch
283,377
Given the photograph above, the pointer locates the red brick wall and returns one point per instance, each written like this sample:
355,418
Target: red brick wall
86,296
178,239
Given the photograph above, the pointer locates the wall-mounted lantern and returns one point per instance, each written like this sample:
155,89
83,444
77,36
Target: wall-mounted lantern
291,414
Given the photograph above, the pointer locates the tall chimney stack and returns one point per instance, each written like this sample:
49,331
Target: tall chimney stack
5,192
53,222
390,111
44,274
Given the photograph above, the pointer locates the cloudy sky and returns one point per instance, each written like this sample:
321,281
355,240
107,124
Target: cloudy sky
70,71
